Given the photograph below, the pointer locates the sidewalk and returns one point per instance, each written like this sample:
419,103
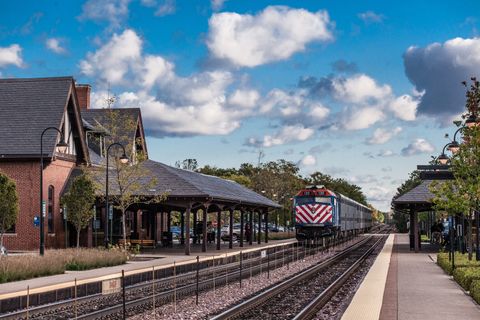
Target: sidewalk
414,288
163,259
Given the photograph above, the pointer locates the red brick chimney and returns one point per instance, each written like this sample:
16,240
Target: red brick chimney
83,95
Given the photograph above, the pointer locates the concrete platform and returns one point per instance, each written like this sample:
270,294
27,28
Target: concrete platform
163,258
403,285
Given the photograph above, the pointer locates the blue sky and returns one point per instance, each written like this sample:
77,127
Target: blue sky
363,90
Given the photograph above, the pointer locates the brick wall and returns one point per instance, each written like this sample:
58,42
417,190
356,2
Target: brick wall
26,174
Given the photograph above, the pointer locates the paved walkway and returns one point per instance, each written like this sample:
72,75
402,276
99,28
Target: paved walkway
414,288
164,258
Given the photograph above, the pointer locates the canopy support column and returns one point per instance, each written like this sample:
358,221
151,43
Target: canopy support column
204,228
182,227
250,222
266,225
219,228
187,232
230,240
242,211
259,237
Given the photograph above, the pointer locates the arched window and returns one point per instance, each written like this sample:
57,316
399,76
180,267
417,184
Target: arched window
50,208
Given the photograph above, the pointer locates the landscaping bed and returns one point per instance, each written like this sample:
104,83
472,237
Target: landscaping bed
466,273
22,267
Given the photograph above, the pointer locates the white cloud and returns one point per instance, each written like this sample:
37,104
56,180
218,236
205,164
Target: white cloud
418,146
362,118
438,70
378,194
199,104
382,135
294,107
11,55
217,4
371,17
166,8
308,161
113,11
365,100
274,34
112,62
404,107
360,89
54,44
385,153
287,134
244,98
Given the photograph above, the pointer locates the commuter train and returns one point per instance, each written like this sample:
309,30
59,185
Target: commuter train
320,212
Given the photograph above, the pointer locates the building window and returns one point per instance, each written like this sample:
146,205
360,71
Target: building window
50,208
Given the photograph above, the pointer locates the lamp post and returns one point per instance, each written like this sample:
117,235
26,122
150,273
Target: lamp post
124,160
60,147
472,121
443,158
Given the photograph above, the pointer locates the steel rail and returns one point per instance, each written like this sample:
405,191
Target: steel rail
321,300
257,300
147,300
220,271
107,310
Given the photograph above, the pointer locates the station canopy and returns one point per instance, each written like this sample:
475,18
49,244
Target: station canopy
189,186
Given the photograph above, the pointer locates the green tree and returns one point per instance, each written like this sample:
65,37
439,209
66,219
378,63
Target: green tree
399,217
8,205
462,194
128,183
338,185
79,201
187,164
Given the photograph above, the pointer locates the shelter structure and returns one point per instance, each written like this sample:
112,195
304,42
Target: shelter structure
419,199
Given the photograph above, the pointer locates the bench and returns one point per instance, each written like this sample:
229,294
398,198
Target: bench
143,243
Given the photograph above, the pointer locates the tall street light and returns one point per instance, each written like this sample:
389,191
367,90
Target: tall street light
123,160
61,147
443,158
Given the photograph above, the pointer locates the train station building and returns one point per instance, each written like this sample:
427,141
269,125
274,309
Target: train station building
29,106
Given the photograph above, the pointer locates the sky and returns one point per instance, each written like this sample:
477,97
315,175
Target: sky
361,90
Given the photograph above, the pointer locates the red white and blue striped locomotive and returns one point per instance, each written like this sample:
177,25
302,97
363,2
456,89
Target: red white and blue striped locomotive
320,212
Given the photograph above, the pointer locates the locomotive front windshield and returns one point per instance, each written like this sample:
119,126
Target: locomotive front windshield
307,200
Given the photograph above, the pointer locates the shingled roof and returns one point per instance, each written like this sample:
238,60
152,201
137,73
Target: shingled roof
27,107
419,194
180,183
99,119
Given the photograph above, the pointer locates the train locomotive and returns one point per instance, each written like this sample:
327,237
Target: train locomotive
320,212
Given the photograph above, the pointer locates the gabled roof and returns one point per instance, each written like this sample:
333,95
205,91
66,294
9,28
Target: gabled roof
99,118
27,107
179,183
419,195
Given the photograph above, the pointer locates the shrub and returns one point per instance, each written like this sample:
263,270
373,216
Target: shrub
461,260
13,268
465,276
475,290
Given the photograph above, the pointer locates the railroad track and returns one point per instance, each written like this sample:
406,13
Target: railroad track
144,296
297,297
141,295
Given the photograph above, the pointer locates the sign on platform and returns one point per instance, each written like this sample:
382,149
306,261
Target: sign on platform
263,253
111,286
36,221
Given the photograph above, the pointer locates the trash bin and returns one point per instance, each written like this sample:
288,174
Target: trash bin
167,239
